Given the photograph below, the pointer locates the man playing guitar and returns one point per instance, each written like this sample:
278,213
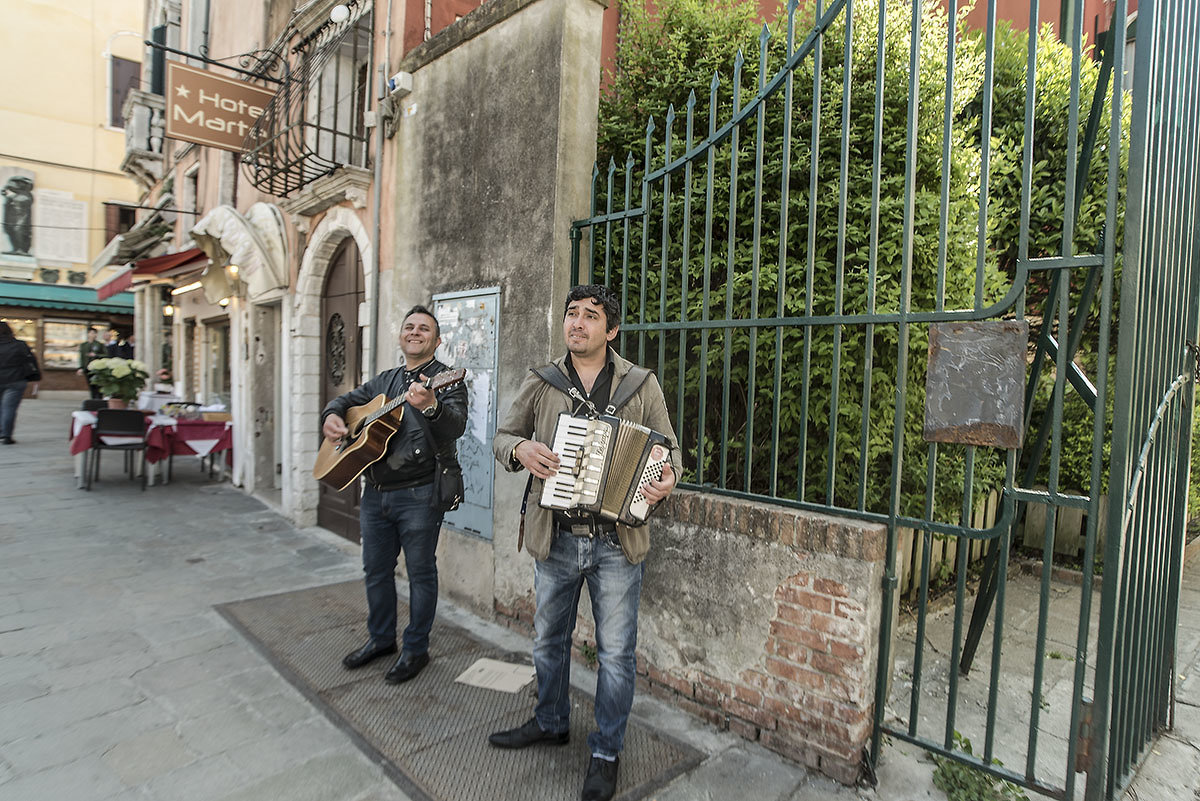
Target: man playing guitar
398,511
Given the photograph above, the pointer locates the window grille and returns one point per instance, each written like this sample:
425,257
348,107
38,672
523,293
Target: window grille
314,124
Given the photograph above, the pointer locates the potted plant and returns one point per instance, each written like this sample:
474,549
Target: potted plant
119,379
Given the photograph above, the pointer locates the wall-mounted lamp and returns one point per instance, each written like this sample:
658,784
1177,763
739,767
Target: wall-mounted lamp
179,290
339,14
168,310
233,270
223,302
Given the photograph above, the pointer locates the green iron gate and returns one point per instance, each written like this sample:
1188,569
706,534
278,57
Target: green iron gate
792,240
1154,399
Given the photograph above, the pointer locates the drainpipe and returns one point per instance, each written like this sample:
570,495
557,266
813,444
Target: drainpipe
377,228
377,199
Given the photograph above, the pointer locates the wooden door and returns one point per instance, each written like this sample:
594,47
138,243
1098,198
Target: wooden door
341,360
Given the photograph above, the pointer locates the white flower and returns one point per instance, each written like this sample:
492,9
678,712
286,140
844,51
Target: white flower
120,371
139,366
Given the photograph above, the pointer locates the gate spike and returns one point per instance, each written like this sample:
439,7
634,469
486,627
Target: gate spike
712,103
763,37
612,166
791,26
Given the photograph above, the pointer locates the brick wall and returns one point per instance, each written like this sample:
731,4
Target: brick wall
761,620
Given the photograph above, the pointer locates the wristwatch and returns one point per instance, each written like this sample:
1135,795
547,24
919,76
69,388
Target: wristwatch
431,409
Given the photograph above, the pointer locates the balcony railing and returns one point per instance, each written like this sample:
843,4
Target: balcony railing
144,123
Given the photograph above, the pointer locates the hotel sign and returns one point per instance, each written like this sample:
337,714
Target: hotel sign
211,110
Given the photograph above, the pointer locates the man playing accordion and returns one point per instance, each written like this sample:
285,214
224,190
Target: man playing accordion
572,548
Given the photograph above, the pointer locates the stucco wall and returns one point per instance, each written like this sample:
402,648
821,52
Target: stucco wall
494,158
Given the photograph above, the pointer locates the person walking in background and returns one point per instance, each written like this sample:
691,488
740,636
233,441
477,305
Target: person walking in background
18,366
89,351
125,349
112,345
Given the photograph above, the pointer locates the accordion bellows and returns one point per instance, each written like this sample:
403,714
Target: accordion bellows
603,464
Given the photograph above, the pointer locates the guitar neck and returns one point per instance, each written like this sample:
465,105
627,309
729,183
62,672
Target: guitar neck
393,404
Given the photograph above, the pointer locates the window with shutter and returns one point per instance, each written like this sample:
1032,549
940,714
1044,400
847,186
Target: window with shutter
123,75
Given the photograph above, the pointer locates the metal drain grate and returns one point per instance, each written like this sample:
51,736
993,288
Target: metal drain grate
431,733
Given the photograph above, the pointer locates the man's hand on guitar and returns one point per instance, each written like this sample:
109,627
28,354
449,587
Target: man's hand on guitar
419,396
334,428
655,491
537,458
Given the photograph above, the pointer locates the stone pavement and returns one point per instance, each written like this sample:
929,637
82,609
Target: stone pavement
118,680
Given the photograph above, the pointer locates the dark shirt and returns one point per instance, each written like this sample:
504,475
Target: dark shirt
601,388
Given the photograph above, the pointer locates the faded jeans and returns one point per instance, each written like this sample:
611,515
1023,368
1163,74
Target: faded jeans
393,521
10,398
615,588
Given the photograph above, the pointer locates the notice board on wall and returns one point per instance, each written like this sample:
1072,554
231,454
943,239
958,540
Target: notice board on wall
470,335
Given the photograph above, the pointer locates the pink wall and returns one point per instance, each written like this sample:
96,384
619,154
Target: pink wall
1096,17
1096,14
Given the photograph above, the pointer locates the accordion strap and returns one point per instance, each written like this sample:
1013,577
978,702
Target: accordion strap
629,386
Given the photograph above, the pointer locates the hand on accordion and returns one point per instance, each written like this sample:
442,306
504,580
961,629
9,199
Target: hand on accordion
537,458
655,491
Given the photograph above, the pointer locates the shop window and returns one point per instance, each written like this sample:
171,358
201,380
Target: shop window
23,329
63,337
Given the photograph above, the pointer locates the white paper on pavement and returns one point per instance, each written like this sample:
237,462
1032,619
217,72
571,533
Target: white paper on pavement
491,674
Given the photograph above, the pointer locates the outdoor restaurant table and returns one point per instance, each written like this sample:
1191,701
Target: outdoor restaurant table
164,436
82,424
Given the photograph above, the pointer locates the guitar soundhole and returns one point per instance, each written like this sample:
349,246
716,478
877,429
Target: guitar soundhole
335,349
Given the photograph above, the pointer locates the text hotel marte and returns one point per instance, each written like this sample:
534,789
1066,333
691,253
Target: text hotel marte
210,109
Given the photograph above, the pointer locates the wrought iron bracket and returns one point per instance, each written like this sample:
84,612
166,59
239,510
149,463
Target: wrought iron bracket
264,61
1194,352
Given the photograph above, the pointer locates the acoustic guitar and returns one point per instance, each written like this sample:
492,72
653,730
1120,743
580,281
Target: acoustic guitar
371,426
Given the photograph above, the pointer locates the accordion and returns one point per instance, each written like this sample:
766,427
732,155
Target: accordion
603,464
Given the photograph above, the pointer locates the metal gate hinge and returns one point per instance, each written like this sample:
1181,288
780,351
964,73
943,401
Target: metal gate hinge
1194,351
1083,746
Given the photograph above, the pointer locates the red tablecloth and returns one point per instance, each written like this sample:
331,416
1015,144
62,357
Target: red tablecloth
164,436
188,438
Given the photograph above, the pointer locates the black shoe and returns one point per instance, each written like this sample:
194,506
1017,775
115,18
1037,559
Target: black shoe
9,441
527,734
372,650
601,781
406,667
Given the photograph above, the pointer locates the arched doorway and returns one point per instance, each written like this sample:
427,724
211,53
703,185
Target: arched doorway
341,368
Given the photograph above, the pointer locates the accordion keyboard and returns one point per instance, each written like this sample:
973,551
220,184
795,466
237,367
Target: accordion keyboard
581,445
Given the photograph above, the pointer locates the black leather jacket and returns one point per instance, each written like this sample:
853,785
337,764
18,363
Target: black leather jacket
409,460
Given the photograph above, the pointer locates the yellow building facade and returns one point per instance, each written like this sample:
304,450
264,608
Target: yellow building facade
67,68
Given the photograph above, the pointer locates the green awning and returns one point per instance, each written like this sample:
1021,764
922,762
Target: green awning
59,296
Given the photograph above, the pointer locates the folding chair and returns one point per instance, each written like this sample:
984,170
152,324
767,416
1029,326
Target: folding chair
127,424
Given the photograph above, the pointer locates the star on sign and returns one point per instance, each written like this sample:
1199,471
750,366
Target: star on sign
182,90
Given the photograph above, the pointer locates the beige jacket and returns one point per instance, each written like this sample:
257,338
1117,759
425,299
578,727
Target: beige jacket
534,415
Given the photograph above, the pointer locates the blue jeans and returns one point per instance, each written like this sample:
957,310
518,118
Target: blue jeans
393,521
10,398
615,587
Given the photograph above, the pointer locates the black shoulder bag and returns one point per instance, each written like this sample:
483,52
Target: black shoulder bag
448,487
32,373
